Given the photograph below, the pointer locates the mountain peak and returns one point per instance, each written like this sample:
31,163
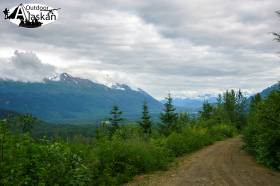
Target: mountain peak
53,99
69,79
60,77
65,77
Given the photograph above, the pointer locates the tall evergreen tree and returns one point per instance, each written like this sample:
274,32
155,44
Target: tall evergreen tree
207,111
115,119
219,99
255,101
254,104
146,123
240,110
27,122
229,103
168,117
231,108
218,110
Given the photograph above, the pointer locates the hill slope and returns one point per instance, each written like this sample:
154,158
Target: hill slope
268,90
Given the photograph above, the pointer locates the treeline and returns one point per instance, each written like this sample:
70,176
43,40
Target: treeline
262,134
118,151
230,109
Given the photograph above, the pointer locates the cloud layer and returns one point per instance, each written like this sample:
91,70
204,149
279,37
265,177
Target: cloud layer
25,67
186,47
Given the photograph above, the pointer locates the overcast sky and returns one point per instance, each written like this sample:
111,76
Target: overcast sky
187,47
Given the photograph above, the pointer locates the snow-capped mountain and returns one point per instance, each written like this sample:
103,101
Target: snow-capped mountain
64,98
65,77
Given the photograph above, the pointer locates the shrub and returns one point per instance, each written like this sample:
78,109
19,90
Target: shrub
107,160
250,137
32,163
189,140
120,160
222,131
262,135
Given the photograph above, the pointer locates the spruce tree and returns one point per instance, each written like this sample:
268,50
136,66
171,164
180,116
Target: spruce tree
255,101
229,106
254,105
168,117
27,122
207,111
146,123
115,119
241,117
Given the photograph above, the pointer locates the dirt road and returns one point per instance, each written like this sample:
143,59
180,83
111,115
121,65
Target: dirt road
221,164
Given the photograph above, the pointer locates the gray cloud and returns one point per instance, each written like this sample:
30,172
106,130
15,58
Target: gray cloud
187,47
25,67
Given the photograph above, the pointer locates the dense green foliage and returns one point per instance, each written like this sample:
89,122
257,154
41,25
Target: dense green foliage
230,109
262,135
105,159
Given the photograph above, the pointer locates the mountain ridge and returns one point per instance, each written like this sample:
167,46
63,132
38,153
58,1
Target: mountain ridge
72,99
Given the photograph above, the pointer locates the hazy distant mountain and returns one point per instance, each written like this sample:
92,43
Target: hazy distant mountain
65,98
268,90
192,105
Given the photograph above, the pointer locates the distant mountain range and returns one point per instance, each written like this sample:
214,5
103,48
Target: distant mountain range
69,99
192,105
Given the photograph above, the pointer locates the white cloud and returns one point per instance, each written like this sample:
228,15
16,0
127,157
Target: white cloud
187,47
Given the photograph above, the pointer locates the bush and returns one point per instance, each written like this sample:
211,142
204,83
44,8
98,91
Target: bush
33,163
120,160
107,160
262,135
189,140
177,144
264,144
250,137
222,131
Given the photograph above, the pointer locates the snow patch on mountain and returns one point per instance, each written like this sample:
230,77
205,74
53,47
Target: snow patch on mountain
109,83
55,77
118,87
